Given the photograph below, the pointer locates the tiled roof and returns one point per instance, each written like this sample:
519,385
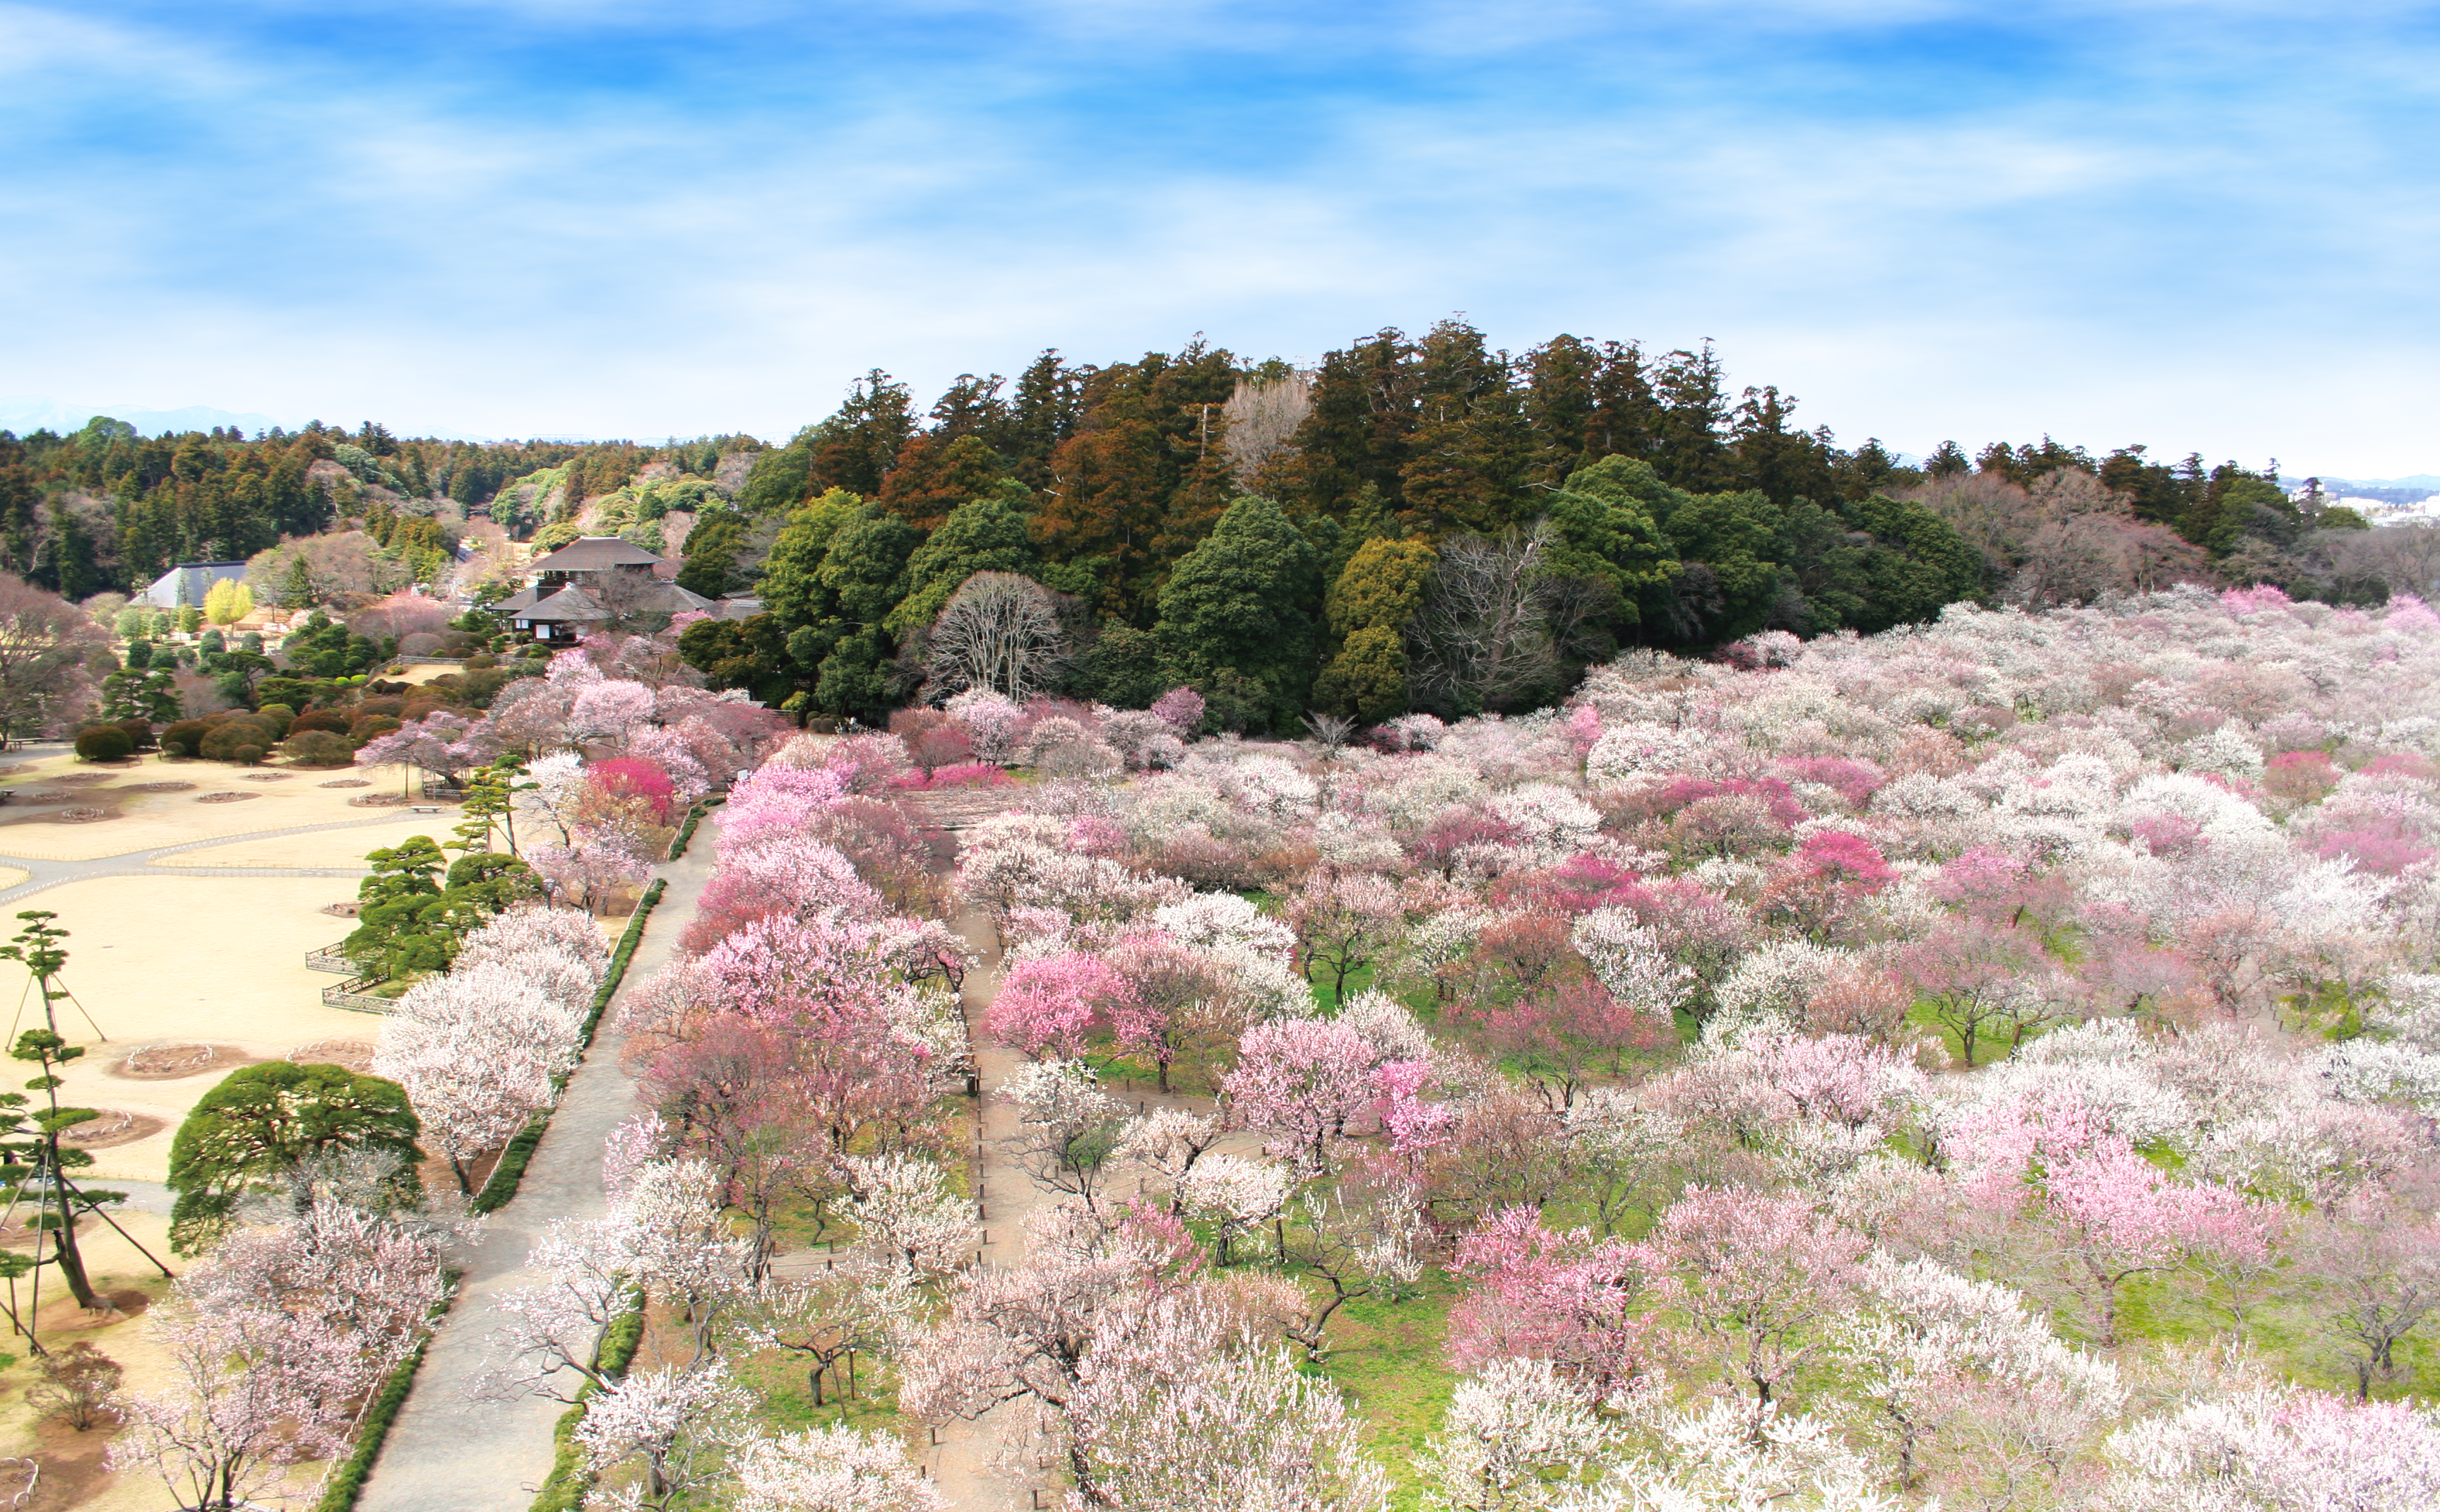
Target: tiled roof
567,605
591,553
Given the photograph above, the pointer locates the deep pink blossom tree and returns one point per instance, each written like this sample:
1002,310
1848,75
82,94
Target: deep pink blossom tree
1047,1006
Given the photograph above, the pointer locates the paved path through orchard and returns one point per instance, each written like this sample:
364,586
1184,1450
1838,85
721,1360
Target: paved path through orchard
446,1453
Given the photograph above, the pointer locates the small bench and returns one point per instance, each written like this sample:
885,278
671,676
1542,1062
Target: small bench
426,808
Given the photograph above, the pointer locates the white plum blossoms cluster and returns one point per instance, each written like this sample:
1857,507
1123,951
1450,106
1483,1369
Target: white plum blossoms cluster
1993,1062
483,1047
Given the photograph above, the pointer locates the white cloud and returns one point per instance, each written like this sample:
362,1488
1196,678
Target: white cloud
726,241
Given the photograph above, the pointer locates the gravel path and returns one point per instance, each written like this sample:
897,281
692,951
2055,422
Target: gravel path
446,1453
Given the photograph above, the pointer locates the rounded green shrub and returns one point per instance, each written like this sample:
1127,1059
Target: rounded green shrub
229,736
317,747
186,737
104,743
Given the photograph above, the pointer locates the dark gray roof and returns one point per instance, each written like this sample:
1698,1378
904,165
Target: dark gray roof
522,599
591,553
564,605
576,604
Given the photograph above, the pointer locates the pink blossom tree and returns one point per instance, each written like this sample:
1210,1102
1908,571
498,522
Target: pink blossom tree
1180,1404
246,1400
1306,1083
444,744
478,1051
1981,982
605,711
2372,1276
1755,1279
1560,1034
675,1426
1181,1003
1182,709
2118,1215
1342,922
593,867
1047,1006
1558,1295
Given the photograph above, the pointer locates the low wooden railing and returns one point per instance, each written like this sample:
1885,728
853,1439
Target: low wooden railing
346,995
331,959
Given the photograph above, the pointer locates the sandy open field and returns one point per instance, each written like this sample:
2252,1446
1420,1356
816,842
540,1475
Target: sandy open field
346,847
275,798
217,961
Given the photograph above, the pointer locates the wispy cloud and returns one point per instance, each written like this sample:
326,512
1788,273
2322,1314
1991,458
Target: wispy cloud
2197,225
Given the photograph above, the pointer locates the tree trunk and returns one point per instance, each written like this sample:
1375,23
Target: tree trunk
71,1259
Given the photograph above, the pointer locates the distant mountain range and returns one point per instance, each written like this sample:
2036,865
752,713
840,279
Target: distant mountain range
28,412
2412,484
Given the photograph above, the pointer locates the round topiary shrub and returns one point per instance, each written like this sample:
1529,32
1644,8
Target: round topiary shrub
230,736
186,737
248,756
371,724
104,743
323,719
140,731
318,747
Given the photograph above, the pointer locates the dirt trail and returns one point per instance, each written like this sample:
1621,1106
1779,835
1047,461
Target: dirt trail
967,1460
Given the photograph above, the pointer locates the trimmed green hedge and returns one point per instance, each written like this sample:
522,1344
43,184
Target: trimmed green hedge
347,1482
565,1488
512,1167
694,817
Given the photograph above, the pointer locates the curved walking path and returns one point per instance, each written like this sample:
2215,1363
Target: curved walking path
445,1452
43,874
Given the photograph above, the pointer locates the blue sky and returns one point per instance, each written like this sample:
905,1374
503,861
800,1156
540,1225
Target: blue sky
2197,225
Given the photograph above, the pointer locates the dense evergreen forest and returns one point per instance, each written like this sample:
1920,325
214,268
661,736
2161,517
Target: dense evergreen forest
1417,522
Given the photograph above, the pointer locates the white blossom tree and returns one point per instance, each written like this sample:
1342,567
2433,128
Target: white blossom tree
836,1468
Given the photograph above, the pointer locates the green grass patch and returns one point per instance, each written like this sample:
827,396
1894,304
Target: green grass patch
1389,1359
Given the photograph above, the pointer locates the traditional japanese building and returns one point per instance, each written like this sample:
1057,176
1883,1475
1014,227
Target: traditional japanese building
592,580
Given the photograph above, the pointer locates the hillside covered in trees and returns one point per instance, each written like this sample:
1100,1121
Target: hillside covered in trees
1417,523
